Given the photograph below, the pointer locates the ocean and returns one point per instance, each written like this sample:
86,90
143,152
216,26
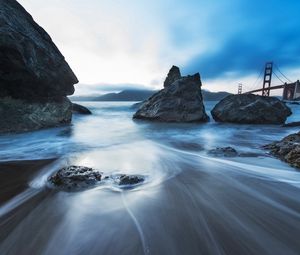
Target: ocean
190,203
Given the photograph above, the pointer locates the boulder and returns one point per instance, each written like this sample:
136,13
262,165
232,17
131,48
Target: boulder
180,101
288,149
74,178
223,152
251,109
130,180
77,108
32,70
19,115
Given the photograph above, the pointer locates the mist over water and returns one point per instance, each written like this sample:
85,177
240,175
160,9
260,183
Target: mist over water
190,203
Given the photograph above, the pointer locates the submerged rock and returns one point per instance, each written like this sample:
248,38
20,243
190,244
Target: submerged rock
179,101
288,149
77,108
251,109
130,179
74,178
223,152
33,70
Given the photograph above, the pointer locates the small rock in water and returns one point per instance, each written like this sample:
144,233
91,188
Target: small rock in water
288,149
73,178
80,109
130,179
224,152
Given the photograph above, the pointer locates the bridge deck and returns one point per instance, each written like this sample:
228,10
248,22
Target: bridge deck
271,88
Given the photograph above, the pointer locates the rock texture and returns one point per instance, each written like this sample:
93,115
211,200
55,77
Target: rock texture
20,115
130,180
33,70
74,178
288,149
173,75
179,101
77,178
251,109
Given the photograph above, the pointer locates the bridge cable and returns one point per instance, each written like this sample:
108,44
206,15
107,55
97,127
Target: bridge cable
282,73
278,78
258,78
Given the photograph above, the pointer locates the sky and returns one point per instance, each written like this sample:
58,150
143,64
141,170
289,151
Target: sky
115,44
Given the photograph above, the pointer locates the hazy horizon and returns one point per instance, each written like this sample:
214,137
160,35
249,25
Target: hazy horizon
137,42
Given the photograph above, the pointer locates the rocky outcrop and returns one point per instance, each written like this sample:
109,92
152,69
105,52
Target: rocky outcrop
32,69
19,115
74,178
251,109
77,178
223,152
288,149
180,101
80,109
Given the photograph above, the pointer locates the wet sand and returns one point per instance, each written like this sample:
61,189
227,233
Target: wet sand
205,209
15,175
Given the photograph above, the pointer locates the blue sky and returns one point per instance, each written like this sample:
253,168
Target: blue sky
137,41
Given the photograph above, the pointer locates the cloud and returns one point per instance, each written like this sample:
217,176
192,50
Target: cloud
137,41
263,31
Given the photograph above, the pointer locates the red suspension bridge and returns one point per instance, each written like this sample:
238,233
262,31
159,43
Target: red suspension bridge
291,90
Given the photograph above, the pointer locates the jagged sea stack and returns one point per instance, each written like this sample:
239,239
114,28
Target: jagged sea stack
34,76
180,100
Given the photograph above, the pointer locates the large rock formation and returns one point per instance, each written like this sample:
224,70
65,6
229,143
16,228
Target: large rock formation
251,109
32,70
179,101
288,149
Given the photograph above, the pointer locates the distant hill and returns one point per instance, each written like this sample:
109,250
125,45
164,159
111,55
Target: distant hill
214,96
141,95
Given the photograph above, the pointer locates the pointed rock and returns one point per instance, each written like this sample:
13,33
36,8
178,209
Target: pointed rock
173,75
180,101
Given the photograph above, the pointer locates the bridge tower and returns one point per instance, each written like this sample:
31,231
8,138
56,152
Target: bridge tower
267,79
240,89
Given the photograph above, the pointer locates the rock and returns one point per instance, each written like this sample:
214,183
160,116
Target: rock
288,149
251,109
32,70
180,101
173,75
77,108
30,63
130,180
18,115
223,152
292,124
75,178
